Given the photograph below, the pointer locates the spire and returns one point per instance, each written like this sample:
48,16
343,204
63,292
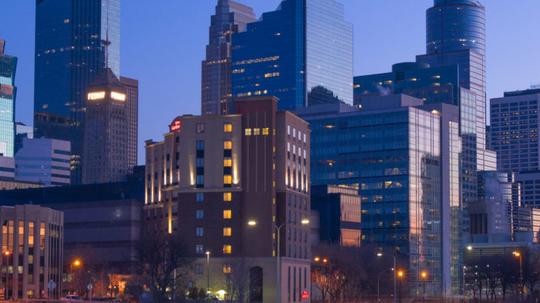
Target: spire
106,43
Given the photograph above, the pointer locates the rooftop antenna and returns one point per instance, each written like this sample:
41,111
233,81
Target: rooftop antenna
107,42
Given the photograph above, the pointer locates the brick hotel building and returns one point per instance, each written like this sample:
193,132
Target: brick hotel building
211,175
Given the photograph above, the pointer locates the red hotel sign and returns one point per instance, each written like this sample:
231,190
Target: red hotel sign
175,126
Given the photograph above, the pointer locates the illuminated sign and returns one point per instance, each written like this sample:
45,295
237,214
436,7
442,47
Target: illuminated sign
118,96
96,96
176,126
305,295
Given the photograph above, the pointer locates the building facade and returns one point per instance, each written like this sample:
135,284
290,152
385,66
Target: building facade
230,17
32,252
22,131
70,52
339,214
8,94
225,182
44,161
110,130
405,161
530,188
300,53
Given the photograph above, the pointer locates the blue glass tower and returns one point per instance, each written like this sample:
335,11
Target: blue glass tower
70,51
8,93
300,53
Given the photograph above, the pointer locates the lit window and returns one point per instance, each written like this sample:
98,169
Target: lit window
227,214
227,232
199,232
227,269
266,131
227,145
256,131
199,214
227,127
227,162
227,249
200,197
227,197
248,131
227,179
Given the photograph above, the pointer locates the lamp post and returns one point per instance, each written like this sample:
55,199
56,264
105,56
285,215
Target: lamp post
277,229
519,255
76,263
400,275
424,277
6,254
394,268
207,253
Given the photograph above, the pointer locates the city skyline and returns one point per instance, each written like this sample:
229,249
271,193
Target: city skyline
170,86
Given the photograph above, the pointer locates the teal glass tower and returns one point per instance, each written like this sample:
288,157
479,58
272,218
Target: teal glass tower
71,38
300,53
8,93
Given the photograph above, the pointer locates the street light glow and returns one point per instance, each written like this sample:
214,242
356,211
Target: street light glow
379,254
469,248
305,221
77,262
424,275
252,223
400,273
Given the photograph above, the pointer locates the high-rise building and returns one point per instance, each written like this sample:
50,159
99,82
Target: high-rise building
44,161
300,53
132,95
110,132
514,135
71,38
230,17
8,93
404,158
22,131
32,252
225,182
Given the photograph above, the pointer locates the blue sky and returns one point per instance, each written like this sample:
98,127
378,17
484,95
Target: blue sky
163,44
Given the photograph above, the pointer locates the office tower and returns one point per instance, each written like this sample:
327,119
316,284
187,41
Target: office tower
71,38
527,225
132,95
514,135
231,17
8,94
32,242
300,53
226,182
44,161
109,136
405,161
337,208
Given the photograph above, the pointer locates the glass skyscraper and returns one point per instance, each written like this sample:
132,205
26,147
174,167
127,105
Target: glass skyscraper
231,17
70,51
301,53
405,162
8,93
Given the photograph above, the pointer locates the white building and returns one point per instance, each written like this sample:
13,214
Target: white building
45,161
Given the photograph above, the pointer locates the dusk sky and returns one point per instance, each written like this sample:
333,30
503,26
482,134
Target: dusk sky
163,44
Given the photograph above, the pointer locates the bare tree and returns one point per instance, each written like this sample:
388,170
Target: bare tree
164,265
238,280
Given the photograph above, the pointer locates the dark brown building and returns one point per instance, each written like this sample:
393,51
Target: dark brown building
227,183
110,132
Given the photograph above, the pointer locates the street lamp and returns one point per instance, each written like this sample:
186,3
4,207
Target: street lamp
380,254
277,229
424,277
76,263
400,275
207,253
519,255
6,254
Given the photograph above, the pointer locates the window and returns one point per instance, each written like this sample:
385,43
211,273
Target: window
199,232
266,131
227,249
200,197
227,214
200,145
227,162
256,131
227,232
227,197
200,128
227,127
227,145
227,269
247,131
199,214
227,179
199,249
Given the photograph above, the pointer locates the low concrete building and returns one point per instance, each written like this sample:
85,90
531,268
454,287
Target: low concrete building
32,251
